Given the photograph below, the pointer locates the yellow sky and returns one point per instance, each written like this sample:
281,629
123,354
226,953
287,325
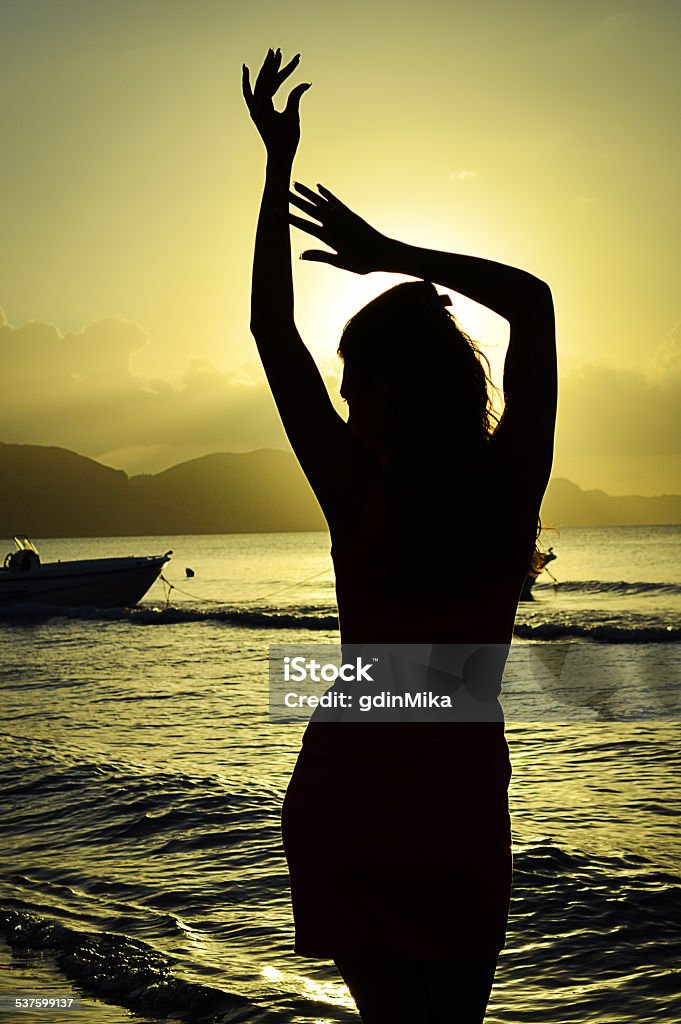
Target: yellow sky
540,134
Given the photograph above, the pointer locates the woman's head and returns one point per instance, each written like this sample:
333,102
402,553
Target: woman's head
414,382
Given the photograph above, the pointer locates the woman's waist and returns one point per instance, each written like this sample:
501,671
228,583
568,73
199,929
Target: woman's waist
478,747
373,614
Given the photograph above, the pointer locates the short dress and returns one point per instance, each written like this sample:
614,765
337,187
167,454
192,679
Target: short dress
397,835
400,852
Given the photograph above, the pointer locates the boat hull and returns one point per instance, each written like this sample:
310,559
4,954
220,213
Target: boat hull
102,582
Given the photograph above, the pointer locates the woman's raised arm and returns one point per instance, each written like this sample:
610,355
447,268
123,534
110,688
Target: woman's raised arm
525,434
318,435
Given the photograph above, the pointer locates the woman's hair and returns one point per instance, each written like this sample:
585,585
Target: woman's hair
433,374
439,419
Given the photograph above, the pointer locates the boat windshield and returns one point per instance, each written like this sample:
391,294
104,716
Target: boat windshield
24,544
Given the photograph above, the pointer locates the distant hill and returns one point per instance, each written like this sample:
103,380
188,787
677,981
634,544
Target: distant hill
53,492
254,492
566,504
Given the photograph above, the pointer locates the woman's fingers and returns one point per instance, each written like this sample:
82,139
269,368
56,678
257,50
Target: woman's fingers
271,74
293,102
306,225
266,80
303,205
322,256
325,199
283,74
307,192
334,201
246,86
330,197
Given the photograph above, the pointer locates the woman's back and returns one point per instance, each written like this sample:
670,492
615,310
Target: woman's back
447,569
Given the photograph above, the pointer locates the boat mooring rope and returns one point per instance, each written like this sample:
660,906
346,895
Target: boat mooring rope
168,587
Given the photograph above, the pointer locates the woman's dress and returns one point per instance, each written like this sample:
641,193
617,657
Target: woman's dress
397,834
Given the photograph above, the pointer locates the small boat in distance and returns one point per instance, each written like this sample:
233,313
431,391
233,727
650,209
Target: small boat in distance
100,582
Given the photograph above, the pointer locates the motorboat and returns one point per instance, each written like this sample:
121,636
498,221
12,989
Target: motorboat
100,582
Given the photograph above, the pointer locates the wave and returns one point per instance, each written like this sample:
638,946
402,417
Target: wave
257,618
326,620
116,801
574,915
601,633
607,587
572,908
543,620
125,971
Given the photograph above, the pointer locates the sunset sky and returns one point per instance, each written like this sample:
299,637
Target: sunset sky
541,134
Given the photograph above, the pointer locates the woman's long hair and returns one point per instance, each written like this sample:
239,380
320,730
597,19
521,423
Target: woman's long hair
439,420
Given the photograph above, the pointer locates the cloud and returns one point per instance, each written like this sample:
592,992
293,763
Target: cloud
665,368
42,363
609,410
463,175
77,390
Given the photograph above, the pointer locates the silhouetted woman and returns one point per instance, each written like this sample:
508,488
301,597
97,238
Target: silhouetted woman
398,836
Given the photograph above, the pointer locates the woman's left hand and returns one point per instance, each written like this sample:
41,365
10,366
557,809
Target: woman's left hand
279,130
358,247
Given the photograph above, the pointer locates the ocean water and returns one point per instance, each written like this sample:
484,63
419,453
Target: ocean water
141,865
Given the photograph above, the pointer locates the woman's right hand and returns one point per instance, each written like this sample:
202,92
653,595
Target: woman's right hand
357,246
279,130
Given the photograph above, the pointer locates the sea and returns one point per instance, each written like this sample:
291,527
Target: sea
142,874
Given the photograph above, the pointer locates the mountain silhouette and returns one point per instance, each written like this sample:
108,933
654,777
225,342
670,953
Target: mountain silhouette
54,492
